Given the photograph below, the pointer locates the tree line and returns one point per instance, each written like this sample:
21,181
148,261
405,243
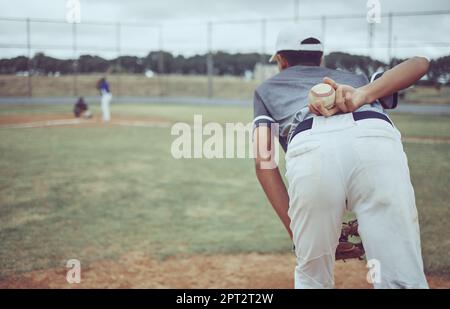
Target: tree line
224,64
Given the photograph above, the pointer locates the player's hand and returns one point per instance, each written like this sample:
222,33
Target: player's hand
317,108
348,99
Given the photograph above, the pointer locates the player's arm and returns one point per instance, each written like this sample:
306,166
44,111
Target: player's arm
399,77
269,175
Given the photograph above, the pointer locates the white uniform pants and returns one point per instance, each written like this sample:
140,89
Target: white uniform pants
360,166
106,100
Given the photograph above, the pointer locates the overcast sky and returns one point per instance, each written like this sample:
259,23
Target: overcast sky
185,32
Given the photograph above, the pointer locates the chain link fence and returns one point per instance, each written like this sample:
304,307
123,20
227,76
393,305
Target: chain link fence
399,34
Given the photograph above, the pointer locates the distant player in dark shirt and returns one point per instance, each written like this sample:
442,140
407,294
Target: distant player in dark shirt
81,109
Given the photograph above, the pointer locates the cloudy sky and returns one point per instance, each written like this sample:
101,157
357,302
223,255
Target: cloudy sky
185,31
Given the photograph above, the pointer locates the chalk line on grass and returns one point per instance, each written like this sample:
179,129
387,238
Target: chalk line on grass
64,122
145,124
426,140
41,124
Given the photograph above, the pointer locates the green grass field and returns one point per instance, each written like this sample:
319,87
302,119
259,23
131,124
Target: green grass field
97,192
229,87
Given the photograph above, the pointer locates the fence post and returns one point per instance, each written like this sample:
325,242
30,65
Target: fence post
324,30
75,60
118,62
209,60
29,81
263,48
161,60
370,39
296,10
390,24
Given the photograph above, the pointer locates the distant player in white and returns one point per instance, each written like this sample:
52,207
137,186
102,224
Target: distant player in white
105,92
347,158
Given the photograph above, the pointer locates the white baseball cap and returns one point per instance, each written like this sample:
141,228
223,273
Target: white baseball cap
291,38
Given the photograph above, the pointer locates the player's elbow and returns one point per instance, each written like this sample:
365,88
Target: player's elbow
265,164
263,158
422,65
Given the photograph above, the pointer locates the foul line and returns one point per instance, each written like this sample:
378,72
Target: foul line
425,140
65,122
144,124
40,124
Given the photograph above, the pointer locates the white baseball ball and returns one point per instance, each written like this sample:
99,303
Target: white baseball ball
323,92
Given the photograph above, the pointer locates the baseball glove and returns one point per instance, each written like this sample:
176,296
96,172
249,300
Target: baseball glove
349,250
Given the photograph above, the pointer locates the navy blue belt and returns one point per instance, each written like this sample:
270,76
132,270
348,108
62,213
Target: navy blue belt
307,124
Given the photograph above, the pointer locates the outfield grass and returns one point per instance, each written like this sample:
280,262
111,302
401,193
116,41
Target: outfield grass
98,192
229,87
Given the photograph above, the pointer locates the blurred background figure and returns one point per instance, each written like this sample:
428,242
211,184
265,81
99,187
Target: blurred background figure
81,109
103,87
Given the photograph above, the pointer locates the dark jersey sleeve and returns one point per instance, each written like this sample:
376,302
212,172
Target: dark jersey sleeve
262,117
260,113
389,102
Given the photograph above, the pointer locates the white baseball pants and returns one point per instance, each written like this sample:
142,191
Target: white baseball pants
342,164
106,100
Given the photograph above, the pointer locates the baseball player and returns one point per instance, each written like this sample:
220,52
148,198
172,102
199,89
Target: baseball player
347,158
103,87
81,109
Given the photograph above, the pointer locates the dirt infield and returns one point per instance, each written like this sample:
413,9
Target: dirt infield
134,270
50,120
23,119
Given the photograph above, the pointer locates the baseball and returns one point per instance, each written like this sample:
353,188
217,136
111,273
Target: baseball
323,92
